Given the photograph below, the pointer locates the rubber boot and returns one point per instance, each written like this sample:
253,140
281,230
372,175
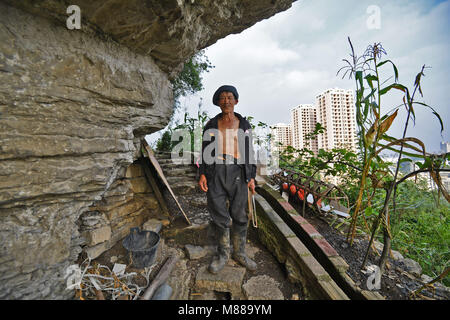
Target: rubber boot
239,237
223,249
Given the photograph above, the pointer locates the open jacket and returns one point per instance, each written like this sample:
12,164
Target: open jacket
245,145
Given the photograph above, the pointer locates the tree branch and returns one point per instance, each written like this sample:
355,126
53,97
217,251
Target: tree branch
411,174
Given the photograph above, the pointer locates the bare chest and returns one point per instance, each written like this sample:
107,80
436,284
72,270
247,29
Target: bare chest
228,137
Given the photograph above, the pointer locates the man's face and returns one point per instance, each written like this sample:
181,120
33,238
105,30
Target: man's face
227,102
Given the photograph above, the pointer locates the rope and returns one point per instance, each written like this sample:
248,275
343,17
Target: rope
252,209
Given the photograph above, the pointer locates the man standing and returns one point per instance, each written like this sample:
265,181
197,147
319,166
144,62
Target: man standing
228,174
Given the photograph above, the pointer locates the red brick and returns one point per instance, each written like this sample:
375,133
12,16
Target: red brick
286,205
326,247
299,219
310,230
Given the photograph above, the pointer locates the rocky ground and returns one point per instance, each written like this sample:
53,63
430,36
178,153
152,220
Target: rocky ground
191,281
396,284
269,270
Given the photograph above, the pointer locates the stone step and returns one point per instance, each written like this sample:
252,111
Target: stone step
168,161
188,178
186,157
184,190
183,187
186,154
179,172
162,155
229,279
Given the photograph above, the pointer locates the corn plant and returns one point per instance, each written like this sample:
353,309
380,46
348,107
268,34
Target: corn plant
373,138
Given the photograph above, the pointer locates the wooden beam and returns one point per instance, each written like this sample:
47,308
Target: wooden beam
163,178
154,185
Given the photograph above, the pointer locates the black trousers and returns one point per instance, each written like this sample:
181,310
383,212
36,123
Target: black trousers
227,182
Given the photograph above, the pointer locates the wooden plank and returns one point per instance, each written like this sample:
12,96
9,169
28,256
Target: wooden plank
155,188
163,178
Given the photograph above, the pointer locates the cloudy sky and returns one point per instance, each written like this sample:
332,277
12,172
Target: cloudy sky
292,57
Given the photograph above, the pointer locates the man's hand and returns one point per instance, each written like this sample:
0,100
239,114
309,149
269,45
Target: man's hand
203,183
251,185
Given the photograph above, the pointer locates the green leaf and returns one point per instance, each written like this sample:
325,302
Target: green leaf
371,94
427,163
369,211
393,65
417,82
405,160
434,112
415,155
395,86
366,110
359,77
370,78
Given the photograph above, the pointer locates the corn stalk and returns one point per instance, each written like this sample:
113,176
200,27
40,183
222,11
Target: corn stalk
372,130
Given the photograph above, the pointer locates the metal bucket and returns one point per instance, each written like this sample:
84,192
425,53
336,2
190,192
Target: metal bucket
142,246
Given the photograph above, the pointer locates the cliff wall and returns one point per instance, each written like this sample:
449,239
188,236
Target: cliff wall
74,106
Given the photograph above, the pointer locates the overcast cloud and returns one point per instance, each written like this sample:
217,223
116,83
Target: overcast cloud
292,57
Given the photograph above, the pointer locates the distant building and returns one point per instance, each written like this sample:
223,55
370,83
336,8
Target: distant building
445,147
281,133
334,110
336,113
445,178
303,121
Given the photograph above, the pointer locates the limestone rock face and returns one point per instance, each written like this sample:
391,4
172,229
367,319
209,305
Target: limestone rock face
72,110
74,106
169,31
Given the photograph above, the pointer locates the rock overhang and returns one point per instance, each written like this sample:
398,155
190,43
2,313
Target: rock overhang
74,107
169,31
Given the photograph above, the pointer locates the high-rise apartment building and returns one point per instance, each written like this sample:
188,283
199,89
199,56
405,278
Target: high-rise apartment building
334,110
281,133
445,146
336,113
303,121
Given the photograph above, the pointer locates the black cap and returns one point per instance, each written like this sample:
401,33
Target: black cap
225,88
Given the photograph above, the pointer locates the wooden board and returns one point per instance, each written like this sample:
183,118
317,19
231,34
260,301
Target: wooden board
155,163
154,185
